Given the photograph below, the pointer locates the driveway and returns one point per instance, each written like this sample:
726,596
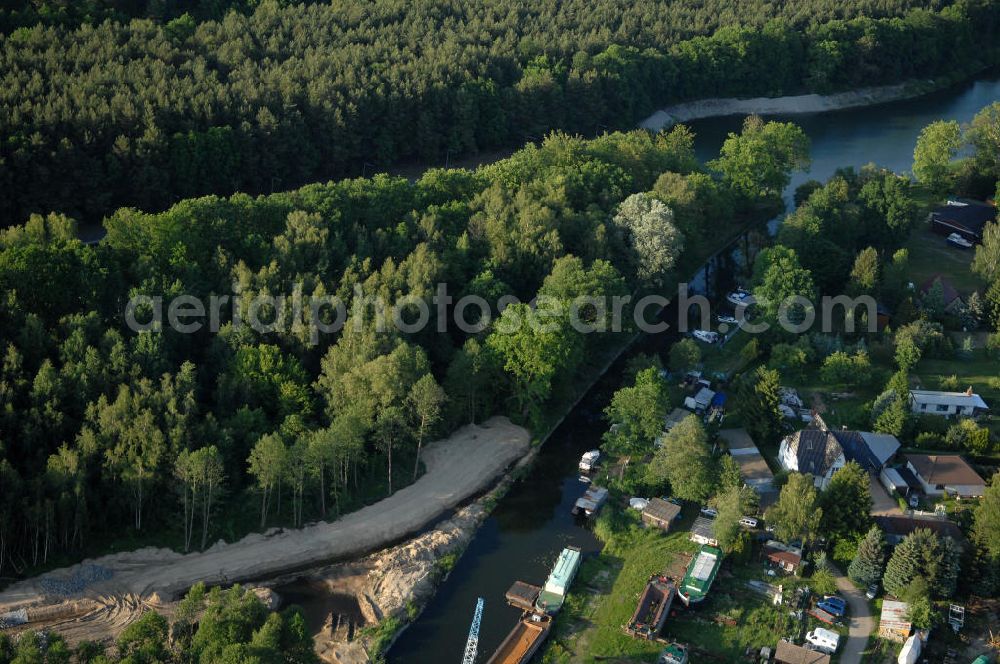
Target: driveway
861,621
882,502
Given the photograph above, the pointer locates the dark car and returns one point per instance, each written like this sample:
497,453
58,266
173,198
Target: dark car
836,608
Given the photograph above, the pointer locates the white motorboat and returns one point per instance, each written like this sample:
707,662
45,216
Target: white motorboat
589,460
957,240
741,297
707,336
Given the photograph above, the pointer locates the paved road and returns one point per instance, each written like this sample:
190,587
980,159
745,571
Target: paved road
861,621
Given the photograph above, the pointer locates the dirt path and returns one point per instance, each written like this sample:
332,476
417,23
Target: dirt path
861,621
458,467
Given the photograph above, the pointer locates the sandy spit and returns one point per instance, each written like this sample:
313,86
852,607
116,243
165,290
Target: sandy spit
812,103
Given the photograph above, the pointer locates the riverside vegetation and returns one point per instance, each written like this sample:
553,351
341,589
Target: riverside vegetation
95,114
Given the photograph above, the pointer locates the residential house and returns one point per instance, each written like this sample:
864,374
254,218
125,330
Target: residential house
952,300
966,217
788,558
660,513
897,526
940,473
946,404
893,623
868,449
789,653
813,451
703,531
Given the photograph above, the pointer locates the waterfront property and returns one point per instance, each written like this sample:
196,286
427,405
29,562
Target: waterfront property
700,575
966,217
553,594
660,513
940,473
946,404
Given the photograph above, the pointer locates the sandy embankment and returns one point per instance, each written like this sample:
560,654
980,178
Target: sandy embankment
812,103
458,467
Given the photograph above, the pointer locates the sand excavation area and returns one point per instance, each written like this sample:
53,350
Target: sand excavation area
98,597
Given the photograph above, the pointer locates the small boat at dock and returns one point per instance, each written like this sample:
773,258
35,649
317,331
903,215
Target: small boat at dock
524,640
591,501
590,460
741,297
553,594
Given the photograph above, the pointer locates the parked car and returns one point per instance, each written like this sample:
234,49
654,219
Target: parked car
709,511
836,608
827,640
748,522
872,591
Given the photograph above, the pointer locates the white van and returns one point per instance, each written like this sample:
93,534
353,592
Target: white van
748,522
824,639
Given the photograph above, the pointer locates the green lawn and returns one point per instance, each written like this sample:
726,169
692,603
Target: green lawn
979,371
930,254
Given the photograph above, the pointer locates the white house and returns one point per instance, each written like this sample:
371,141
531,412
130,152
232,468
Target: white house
938,473
962,404
813,451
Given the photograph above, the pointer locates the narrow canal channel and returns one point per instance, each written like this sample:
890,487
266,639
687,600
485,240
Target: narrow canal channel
529,527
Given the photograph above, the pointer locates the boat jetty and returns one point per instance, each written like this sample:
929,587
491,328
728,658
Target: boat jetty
700,575
653,608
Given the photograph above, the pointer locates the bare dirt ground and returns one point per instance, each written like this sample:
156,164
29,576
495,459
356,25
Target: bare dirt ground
83,604
813,103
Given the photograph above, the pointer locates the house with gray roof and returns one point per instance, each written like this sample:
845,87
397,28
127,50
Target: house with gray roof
813,451
946,404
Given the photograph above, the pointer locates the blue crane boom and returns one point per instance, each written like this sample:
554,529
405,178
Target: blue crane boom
472,644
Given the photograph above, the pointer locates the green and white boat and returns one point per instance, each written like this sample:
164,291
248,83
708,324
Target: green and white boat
700,575
551,599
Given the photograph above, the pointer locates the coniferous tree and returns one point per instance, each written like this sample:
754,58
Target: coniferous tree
869,562
919,554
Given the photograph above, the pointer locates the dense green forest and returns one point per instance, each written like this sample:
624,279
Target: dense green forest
95,418
144,113
678,19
